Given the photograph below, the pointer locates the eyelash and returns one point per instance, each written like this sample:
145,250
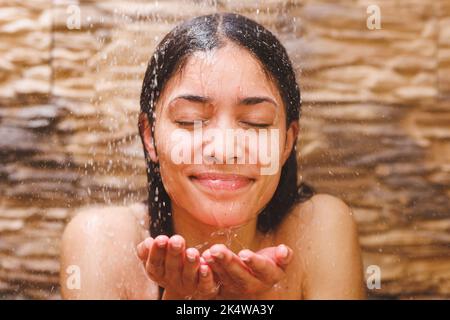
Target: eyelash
187,123
256,125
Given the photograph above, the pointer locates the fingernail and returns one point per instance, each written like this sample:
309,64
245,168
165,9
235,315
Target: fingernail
283,251
204,270
244,256
217,254
190,256
139,249
209,258
176,244
162,243
148,242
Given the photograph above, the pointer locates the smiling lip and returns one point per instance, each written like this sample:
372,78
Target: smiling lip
220,181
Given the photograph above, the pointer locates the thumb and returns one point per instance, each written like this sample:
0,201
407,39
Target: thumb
143,248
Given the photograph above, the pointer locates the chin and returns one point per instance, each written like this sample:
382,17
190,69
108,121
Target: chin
223,215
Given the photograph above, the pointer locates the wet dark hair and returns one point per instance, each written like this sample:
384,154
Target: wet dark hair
205,33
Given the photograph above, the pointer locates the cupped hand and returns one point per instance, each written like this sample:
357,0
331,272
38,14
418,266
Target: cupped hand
249,273
181,272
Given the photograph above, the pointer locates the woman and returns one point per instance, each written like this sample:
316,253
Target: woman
221,226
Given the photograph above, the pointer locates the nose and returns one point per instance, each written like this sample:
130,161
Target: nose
220,145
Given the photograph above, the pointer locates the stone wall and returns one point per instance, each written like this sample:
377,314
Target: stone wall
375,128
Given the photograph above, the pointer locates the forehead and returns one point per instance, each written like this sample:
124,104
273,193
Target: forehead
226,73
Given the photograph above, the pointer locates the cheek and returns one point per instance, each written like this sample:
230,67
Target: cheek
170,171
266,189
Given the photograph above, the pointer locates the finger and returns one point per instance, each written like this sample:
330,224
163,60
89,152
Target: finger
230,270
207,286
263,268
190,268
143,248
237,272
156,259
283,255
217,270
174,259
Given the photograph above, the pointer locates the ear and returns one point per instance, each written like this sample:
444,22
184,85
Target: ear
146,136
291,139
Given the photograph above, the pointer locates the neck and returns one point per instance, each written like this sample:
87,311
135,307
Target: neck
202,236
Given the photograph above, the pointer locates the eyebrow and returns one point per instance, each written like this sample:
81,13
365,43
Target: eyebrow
245,101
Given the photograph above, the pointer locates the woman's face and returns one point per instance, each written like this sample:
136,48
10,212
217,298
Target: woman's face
202,115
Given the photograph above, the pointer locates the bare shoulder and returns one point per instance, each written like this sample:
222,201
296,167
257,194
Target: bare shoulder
325,239
101,242
325,210
102,223
320,211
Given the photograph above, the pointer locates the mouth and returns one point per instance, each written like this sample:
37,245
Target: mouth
221,182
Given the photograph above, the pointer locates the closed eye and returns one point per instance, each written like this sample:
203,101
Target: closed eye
257,125
189,123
